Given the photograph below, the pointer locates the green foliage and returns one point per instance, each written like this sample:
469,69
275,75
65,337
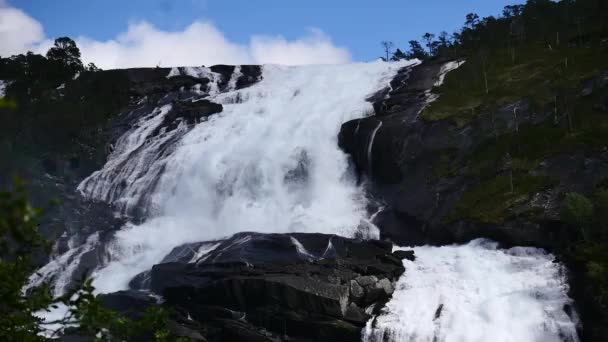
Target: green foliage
601,206
47,108
490,201
577,210
93,320
19,241
66,53
398,55
536,73
416,51
594,255
592,250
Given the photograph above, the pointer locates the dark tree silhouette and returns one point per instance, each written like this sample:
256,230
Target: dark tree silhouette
66,53
398,55
416,50
472,20
387,46
428,38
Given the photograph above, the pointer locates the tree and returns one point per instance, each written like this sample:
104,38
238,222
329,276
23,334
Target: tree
416,51
577,210
511,11
444,39
472,20
19,241
387,46
398,55
66,54
428,38
92,67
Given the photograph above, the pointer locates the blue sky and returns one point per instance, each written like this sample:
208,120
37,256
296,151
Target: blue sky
354,25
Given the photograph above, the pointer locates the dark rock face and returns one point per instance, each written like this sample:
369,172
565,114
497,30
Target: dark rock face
402,163
128,303
419,197
275,287
250,75
188,112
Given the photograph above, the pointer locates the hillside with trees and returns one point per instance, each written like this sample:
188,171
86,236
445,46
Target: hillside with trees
543,67
539,69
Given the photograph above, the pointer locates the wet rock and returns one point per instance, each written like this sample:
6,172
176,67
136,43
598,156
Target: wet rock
356,314
188,112
356,291
282,282
593,84
129,303
385,285
408,255
366,281
251,75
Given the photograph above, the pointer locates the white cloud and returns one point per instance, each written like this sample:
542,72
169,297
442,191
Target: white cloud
18,31
201,43
145,45
316,48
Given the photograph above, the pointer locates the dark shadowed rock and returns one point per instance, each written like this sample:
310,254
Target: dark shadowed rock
418,167
305,286
251,75
129,303
408,255
188,112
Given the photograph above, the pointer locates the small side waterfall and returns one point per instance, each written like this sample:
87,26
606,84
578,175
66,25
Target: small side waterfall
370,145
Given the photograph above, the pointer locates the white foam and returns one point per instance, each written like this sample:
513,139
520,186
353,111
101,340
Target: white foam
232,172
61,268
302,250
445,69
486,294
200,72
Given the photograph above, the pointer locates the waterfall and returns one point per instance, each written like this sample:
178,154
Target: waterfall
269,162
370,145
477,293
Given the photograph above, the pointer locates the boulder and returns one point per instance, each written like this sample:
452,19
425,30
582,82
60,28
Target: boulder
407,255
285,284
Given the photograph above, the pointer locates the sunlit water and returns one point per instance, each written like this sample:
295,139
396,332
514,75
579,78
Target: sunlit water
477,293
270,163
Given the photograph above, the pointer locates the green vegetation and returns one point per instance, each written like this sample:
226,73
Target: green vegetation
55,106
542,56
578,211
539,74
590,217
19,242
540,53
19,239
489,202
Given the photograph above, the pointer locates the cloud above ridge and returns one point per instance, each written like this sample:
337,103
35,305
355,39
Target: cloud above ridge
144,45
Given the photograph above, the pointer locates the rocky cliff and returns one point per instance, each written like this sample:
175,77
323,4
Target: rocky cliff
271,287
501,173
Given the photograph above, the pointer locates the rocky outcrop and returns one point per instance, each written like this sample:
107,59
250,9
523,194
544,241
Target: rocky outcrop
276,287
425,173
418,167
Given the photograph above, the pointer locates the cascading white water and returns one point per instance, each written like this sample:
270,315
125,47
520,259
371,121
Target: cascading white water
268,163
477,293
